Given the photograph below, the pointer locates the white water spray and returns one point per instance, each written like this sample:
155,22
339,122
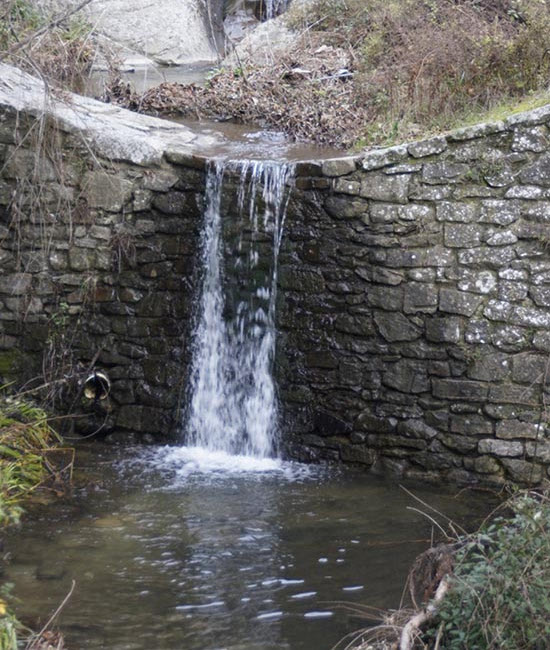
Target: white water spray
233,404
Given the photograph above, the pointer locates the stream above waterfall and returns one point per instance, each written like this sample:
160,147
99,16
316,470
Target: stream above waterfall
260,557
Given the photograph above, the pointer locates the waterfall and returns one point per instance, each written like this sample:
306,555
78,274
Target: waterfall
233,402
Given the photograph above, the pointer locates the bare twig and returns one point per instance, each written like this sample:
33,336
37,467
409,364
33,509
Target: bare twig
33,644
43,30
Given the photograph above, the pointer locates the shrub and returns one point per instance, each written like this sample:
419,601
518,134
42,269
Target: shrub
499,596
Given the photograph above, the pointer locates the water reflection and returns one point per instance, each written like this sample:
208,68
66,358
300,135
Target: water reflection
240,560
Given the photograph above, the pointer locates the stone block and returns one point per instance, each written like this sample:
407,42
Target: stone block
538,173
502,238
292,279
526,192
395,327
407,376
357,454
531,369
532,138
382,157
416,428
26,164
429,147
339,166
463,444
513,429
180,203
494,366
512,394
15,284
523,471
384,213
486,465
107,191
499,212
381,275
381,187
455,211
470,424
347,186
366,421
420,297
512,291
343,208
500,447
496,257
463,235
443,172
321,359
159,180
416,212
385,297
458,302
482,282
418,257
539,450
541,341
460,389
477,331
444,329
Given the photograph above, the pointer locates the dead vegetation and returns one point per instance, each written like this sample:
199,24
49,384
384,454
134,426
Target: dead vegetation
371,71
56,47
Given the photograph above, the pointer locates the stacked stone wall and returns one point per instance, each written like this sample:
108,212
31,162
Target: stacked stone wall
414,285
97,258
415,306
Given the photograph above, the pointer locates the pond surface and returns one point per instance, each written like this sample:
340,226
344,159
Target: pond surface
172,552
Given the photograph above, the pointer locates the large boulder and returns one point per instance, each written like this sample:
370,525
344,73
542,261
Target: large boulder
169,32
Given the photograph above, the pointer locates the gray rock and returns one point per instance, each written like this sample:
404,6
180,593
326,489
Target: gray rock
456,211
381,187
460,389
512,429
339,166
523,471
458,302
444,172
395,327
538,173
500,447
463,235
429,147
444,330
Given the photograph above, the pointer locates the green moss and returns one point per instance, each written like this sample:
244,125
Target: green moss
10,362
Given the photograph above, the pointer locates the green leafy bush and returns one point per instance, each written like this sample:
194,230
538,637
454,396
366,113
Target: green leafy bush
500,591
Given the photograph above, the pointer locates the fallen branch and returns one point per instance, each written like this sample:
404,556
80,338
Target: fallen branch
412,628
33,644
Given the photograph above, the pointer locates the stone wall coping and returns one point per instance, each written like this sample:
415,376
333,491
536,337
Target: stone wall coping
113,132
120,134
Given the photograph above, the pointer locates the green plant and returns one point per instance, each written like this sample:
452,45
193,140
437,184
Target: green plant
499,596
26,437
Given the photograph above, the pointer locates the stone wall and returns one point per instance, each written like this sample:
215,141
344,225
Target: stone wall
99,222
415,309
414,292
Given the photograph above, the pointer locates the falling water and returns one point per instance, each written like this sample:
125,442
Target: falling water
233,405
